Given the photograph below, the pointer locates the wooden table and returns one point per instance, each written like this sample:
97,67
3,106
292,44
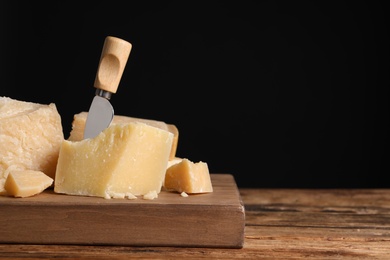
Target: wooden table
280,224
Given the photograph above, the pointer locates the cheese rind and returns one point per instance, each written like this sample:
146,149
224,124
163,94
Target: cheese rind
124,159
30,136
189,177
79,120
26,183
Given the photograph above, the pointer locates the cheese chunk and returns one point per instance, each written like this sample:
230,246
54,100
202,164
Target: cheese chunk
174,161
30,137
78,125
188,177
123,160
26,183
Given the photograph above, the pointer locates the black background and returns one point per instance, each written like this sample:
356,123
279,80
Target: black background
279,94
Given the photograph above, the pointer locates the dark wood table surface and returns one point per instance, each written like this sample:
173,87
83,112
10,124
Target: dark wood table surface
279,224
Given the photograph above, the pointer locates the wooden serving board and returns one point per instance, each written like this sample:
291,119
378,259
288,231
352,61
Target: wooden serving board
215,219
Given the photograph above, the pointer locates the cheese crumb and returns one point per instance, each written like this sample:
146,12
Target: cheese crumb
114,195
150,195
183,194
130,196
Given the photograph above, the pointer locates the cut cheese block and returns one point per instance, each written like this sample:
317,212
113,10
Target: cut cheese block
186,176
26,183
174,161
30,137
125,160
78,125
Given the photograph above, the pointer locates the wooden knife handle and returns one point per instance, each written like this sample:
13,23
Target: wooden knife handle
112,63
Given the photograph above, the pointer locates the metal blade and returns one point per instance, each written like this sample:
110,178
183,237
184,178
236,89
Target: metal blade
99,117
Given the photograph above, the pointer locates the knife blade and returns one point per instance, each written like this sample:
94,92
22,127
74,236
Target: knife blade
113,59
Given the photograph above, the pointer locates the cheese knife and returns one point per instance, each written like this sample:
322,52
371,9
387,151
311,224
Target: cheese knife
113,59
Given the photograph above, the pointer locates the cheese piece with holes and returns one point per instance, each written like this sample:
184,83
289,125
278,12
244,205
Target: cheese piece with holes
124,160
78,125
189,177
30,137
26,183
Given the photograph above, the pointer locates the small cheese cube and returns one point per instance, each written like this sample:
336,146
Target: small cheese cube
26,183
79,120
186,176
123,160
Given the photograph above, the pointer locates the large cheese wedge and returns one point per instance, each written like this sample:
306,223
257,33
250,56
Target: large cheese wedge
189,177
125,160
26,183
78,125
30,137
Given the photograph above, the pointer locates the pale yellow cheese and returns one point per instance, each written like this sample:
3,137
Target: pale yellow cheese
151,195
174,161
189,177
124,160
2,190
26,183
183,194
30,137
78,125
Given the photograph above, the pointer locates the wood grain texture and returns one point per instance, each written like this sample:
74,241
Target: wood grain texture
320,224
214,219
280,224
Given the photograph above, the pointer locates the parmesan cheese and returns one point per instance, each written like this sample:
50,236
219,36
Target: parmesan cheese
188,177
78,125
26,183
174,161
183,194
30,137
125,160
